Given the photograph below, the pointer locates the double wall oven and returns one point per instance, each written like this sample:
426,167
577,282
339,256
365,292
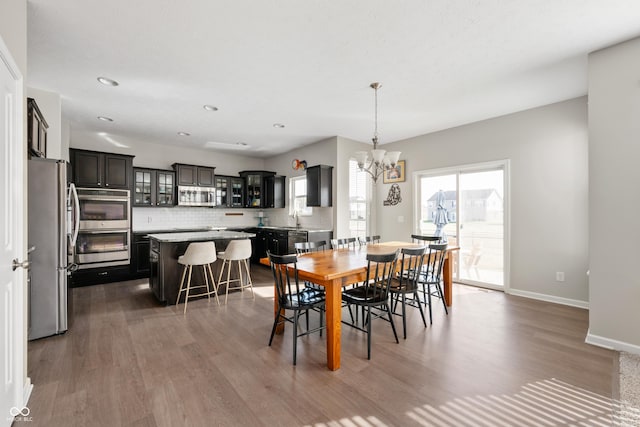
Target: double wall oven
104,236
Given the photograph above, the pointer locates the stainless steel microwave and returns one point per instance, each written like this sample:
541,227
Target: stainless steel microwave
196,196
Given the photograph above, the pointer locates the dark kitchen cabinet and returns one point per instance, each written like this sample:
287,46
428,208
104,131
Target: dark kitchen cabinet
277,241
263,189
229,191
195,176
319,186
254,188
274,241
36,130
258,244
153,187
95,169
140,265
274,191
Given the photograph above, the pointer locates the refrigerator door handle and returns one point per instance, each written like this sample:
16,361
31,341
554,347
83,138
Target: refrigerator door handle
73,196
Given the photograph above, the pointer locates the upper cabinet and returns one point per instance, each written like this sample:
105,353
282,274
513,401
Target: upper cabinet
229,191
196,176
274,191
319,186
36,130
153,187
263,189
95,169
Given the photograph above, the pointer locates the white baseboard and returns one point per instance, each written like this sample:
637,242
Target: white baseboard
26,393
611,344
549,298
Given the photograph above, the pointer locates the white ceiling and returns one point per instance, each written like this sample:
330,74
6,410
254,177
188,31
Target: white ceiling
308,64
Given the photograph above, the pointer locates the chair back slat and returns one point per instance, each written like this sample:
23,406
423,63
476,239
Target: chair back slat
287,284
425,239
434,262
348,243
411,265
368,239
305,247
380,269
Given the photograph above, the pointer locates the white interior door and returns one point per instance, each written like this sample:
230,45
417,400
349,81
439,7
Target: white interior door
11,243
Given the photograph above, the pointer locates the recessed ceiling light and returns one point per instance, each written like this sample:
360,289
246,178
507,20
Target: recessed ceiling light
244,144
107,81
278,125
210,107
105,119
184,134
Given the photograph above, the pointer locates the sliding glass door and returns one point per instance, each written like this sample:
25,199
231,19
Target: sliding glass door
467,204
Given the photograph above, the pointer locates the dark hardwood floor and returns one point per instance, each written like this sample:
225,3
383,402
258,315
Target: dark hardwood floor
496,360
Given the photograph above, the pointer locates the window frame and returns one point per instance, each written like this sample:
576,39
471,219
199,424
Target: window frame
306,210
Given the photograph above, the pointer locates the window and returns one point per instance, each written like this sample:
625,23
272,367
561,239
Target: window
298,196
358,201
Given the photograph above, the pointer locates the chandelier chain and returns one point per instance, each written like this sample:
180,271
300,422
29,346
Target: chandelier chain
375,131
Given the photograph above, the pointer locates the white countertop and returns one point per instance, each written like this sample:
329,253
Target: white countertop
200,236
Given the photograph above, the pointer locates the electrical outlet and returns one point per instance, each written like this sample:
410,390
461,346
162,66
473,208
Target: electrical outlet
559,276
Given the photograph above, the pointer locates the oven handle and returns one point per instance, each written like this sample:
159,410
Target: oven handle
104,198
105,231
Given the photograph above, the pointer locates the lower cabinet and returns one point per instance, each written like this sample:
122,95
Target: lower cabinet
140,256
97,276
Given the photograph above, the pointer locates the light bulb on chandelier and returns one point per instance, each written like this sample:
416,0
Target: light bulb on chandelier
380,160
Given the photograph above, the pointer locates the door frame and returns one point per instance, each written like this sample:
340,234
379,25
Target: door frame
505,164
19,350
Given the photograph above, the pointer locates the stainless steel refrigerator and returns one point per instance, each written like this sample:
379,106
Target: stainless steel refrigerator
52,228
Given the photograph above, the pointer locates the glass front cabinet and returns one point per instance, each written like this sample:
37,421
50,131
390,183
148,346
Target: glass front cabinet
153,187
229,191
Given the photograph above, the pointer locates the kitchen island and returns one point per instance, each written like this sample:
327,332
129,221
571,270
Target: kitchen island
164,250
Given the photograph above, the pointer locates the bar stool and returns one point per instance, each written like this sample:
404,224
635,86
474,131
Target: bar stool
198,253
239,251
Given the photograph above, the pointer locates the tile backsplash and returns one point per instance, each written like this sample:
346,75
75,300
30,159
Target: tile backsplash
186,217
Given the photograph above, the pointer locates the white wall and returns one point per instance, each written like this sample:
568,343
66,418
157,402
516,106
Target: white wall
13,30
51,108
547,147
319,153
614,177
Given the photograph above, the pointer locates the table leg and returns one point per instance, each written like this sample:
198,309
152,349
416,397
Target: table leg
333,293
447,278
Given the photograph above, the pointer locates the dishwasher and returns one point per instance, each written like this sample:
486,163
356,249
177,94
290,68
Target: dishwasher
295,237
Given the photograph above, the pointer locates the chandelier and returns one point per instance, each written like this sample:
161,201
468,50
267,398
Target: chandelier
379,160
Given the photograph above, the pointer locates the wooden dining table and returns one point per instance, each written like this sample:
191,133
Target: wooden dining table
335,269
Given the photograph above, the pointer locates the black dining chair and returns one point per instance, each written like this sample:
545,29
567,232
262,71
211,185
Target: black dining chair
347,243
293,297
368,239
431,275
425,239
306,247
373,293
406,282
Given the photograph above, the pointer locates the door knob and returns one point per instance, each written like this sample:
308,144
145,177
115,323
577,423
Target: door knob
15,264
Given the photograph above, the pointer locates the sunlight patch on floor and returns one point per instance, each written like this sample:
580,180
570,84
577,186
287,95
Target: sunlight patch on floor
543,403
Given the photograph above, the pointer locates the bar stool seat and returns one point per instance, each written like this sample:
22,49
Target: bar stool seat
240,252
198,253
